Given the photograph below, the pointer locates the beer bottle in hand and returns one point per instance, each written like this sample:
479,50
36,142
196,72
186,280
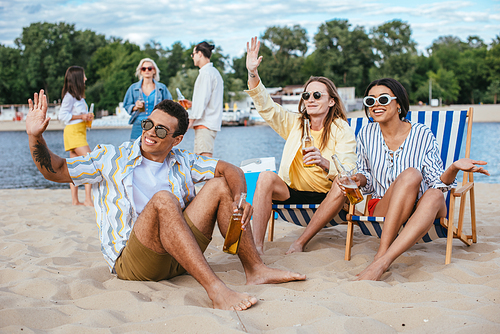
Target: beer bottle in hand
307,140
233,234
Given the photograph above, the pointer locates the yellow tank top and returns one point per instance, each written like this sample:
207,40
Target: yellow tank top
312,178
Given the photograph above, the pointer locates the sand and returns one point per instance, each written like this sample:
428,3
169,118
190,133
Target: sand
53,279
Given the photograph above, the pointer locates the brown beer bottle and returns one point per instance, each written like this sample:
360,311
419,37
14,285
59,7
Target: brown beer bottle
233,234
307,140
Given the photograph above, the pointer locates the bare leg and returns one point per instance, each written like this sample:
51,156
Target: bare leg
430,206
255,270
79,151
397,205
162,228
206,154
330,207
269,186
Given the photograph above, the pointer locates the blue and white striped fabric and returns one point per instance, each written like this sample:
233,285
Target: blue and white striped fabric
448,127
110,171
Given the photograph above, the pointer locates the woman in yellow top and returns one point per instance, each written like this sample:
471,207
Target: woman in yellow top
294,183
74,112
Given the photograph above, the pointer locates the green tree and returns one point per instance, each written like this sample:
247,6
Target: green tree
12,78
344,54
48,49
444,85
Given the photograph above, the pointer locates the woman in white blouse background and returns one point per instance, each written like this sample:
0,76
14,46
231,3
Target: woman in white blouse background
399,164
74,112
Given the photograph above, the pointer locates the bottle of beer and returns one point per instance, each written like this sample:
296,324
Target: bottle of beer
182,100
307,140
345,177
233,234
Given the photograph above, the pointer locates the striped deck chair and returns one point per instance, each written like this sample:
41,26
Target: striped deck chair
448,127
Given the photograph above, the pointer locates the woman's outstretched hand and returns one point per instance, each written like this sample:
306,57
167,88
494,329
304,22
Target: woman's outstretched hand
253,58
469,165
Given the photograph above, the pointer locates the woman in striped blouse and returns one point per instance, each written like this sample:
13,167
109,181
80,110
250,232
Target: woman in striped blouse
400,165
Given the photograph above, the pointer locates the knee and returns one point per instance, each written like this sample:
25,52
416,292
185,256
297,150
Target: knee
265,180
164,199
217,186
434,195
411,177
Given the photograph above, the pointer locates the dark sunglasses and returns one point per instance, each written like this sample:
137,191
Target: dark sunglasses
382,100
307,95
150,68
160,130
192,54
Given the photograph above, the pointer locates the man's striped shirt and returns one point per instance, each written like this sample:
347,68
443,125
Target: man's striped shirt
110,171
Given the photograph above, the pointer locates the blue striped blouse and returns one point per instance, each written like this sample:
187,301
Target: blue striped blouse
381,166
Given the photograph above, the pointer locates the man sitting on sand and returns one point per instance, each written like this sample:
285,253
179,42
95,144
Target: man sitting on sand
151,225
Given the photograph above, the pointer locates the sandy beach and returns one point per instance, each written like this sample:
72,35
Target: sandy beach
53,279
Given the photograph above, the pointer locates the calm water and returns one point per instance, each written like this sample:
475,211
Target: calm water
233,144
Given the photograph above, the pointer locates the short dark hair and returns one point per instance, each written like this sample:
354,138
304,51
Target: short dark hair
174,109
205,49
397,89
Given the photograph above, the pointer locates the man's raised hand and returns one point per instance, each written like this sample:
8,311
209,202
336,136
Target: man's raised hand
37,121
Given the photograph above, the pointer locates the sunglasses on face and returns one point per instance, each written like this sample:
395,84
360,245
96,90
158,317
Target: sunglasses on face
307,95
150,68
192,54
382,100
160,130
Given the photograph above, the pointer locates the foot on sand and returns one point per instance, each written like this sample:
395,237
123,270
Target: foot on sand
266,275
295,248
227,299
374,271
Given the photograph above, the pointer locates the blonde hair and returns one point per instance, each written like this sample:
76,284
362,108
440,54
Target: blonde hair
138,69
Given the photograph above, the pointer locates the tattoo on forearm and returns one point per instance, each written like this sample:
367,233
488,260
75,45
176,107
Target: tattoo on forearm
251,75
41,155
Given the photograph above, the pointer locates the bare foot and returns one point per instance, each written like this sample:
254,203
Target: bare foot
295,248
227,299
77,203
88,203
374,271
266,275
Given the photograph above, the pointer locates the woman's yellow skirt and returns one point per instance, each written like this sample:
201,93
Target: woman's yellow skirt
75,135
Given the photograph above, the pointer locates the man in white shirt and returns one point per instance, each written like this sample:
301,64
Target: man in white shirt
206,112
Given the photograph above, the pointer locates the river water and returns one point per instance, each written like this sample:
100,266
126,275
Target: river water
233,144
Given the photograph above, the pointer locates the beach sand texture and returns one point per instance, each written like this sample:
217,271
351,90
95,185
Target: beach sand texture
53,279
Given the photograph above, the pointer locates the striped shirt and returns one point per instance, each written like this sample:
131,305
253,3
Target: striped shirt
381,166
110,171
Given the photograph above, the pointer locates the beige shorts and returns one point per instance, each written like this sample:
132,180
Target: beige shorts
139,263
204,141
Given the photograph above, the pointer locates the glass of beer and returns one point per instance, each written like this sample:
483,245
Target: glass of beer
345,178
141,99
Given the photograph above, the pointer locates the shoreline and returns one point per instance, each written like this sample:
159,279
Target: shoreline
484,113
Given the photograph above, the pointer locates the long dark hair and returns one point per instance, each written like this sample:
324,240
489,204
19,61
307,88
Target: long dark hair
335,112
397,89
74,82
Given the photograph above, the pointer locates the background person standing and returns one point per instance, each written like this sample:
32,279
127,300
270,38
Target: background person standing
142,96
206,113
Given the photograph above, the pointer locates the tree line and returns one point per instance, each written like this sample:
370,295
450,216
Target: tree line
459,71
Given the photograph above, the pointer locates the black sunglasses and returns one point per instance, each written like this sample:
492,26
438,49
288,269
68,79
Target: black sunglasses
160,130
149,68
382,100
307,95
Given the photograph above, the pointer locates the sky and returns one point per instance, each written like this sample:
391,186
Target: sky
231,23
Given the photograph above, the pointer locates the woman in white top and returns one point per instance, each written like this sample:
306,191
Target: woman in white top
400,165
75,114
